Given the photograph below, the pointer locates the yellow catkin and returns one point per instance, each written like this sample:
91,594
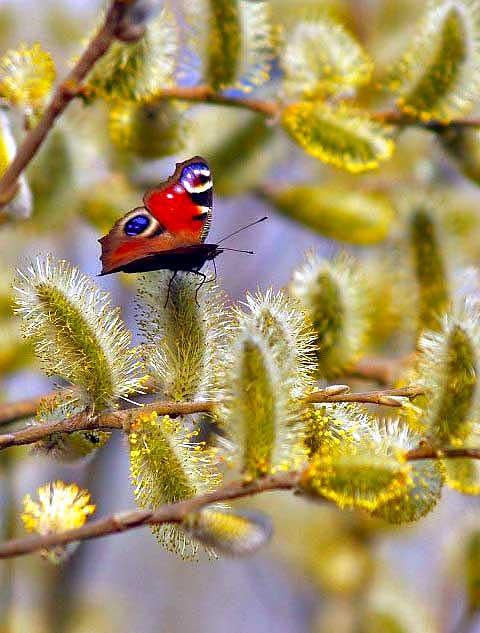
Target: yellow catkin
60,507
322,58
354,217
27,75
358,478
230,533
438,76
166,466
340,135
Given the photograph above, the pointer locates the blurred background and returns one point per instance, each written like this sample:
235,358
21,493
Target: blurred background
321,564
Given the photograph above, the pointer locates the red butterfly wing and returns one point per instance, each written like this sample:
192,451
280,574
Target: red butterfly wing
183,204
176,216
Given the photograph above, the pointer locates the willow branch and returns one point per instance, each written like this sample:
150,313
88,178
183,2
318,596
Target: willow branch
385,397
396,117
115,420
205,94
72,87
14,411
177,512
68,89
168,513
428,452
121,420
271,109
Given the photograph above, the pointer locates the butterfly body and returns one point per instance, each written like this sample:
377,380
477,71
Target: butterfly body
169,230
183,258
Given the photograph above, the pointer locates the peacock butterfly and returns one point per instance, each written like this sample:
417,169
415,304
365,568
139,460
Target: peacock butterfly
168,231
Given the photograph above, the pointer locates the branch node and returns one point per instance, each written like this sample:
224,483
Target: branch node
117,523
70,88
391,401
127,424
129,33
336,390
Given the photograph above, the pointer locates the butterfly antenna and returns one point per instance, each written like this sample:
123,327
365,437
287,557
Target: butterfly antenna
237,250
242,228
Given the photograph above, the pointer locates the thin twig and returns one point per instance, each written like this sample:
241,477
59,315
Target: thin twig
176,512
205,94
121,420
396,117
168,513
428,452
14,411
271,109
72,87
385,397
68,89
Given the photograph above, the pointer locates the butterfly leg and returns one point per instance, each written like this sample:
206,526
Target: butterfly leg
175,272
204,279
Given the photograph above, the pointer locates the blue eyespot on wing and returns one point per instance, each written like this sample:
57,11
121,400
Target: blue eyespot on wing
196,178
136,225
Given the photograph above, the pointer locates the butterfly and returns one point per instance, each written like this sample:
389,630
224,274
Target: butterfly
169,230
